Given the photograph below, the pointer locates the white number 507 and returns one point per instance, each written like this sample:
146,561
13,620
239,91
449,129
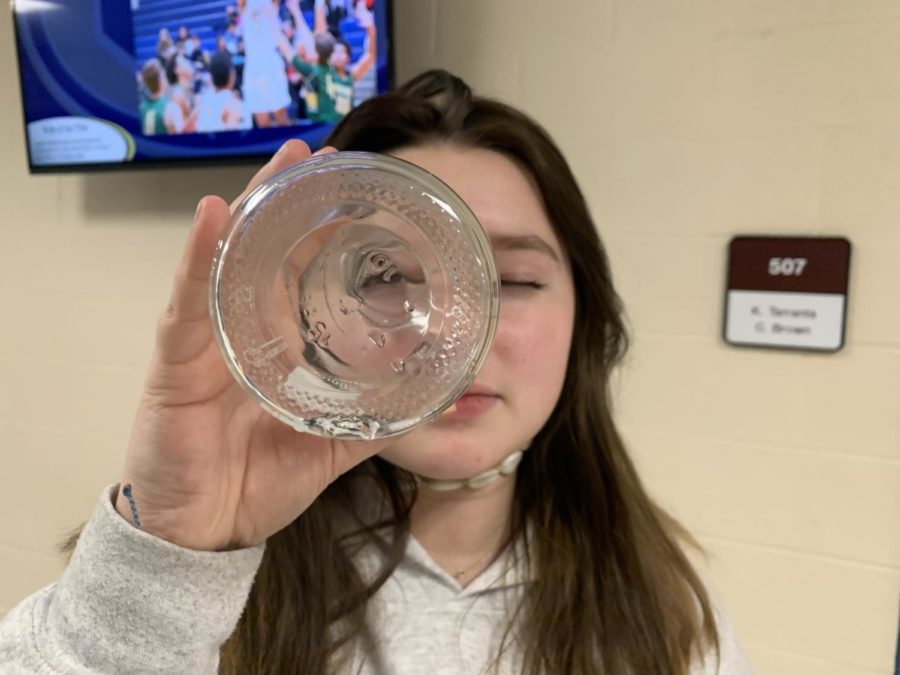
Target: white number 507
786,266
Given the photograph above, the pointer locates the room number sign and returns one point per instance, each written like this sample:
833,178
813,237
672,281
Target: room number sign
787,292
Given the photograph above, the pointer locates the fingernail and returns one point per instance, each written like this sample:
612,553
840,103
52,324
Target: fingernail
280,152
322,151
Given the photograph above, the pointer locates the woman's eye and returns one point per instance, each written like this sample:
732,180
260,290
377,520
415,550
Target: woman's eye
506,283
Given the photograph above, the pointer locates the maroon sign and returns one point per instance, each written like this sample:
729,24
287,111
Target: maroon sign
787,292
792,264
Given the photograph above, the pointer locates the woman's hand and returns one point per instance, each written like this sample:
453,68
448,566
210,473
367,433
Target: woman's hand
210,469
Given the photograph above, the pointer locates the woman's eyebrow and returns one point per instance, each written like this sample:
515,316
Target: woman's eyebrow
523,243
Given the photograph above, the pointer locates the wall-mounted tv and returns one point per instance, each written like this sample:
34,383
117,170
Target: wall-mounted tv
110,84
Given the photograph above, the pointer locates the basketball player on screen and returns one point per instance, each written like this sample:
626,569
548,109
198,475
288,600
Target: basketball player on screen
329,74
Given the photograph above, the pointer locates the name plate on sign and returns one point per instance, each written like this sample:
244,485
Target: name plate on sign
787,292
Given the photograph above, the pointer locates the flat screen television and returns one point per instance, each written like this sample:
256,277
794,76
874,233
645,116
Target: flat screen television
112,84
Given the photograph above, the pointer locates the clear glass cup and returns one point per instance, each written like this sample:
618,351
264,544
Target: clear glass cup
354,295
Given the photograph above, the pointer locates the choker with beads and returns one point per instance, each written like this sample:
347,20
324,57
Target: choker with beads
505,468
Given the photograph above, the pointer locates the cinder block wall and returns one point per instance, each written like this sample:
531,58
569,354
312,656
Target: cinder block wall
687,121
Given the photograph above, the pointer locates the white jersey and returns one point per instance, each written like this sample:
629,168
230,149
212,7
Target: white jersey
221,110
265,83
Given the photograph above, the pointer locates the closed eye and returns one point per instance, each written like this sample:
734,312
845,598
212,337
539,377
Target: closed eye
522,284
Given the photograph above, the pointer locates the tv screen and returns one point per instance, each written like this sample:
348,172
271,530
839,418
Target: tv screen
110,84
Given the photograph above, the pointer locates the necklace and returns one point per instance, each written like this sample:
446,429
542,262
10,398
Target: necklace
459,574
483,479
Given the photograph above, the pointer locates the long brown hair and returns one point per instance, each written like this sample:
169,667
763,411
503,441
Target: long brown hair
612,591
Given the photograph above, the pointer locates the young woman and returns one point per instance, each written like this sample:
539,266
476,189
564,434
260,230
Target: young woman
267,551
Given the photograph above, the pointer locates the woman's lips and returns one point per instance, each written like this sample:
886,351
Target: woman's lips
473,403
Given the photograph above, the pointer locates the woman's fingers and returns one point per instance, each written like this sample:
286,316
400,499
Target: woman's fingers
292,152
189,303
184,328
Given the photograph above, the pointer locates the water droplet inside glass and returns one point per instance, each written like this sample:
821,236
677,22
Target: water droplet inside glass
422,351
399,365
377,338
348,305
378,261
408,306
343,426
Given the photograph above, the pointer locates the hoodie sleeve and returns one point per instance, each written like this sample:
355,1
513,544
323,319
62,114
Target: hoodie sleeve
129,602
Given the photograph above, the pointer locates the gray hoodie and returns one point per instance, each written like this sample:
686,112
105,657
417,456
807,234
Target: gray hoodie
132,603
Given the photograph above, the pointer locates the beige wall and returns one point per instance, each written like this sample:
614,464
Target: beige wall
688,121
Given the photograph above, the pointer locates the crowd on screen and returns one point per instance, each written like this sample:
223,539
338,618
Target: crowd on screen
265,66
